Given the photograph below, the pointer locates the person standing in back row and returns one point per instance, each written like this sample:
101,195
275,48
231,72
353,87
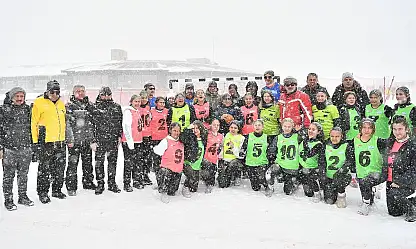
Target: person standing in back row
79,111
272,85
49,132
107,119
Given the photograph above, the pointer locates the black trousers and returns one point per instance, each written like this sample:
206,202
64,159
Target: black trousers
366,187
336,185
397,203
257,176
74,154
290,178
309,179
207,172
228,171
15,161
109,148
156,158
52,161
192,178
147,154
133,165
168,181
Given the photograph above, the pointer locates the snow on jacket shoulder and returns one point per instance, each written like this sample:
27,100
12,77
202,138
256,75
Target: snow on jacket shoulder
296,106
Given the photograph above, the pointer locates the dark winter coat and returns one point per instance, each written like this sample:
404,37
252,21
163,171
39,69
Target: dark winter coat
404,164
15,126
79,114
214,100
362,97
344,117
311,92
190,143
233,110
107,121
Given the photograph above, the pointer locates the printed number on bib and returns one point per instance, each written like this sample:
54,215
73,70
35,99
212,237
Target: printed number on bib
288,152
364,158
229,151
374,118
178,156
257,150
161,124
249,118
333,165
356,120
146,119
182,119
213,149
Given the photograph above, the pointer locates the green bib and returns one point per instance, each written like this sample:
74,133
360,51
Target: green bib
380,119
308,162
231,142
335,158
256,150
354,121
270,117
197,164
182,116
287,152
406,113
367,157
325,117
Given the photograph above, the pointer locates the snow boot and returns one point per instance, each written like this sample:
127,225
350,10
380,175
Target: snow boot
316,197
9,204
186,193
127,187
365,208
164,197
100,188
354,183
269,191
237,181
208,190
138,185
59,195
341,200
24,200
411,214
72,193
146,179
44,199
114,188
89,186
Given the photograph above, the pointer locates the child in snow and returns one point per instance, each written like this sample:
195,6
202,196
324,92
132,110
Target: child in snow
172,152
367,152
210,161
337,169
229,166
312,160
250,114
404,107
159,128
194,139
325,114
270,114
350,116
203,112
255,149
285,153
147,138
379,113
132,143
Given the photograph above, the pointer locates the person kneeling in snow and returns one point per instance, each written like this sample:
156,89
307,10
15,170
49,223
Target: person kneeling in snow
172,152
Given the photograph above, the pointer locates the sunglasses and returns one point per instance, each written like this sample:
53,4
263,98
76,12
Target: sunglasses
291,84
268,77
152,88
57,92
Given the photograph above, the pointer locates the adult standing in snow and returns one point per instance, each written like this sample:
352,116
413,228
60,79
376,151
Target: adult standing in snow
295,104
189,94
312,88
50,129
212,96
107,119
15,146
350,85
79,112
150,89
401,171
272,85
233,91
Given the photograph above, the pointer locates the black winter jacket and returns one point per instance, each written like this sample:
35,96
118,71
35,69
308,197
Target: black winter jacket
107,121
79,113
190,143
362,97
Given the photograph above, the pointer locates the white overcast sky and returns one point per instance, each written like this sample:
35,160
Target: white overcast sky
371,38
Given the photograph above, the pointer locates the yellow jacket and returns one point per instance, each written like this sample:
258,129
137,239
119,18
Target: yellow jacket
51,116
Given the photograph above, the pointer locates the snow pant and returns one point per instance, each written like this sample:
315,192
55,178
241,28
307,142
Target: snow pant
156,158
52,162
109,148
15,161
290,178
257,176
207,172
147,154
336,185
132,163
228,172
309,179
192,178
366,187
74,153
397,203
168,181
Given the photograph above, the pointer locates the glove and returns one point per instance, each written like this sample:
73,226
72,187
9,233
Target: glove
93,147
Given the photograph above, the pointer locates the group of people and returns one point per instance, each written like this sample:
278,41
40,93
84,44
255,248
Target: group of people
288,135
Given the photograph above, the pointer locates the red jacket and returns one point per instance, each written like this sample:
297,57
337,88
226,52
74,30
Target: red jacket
296,106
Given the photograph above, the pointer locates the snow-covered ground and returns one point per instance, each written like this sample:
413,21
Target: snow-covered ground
227,218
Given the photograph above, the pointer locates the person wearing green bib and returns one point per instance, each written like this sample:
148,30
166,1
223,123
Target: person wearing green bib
367,151
194,139
337,174
325,114
379,113
255,150
181,112
229,165
350,116
405,108
285,157
312,160
270,114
